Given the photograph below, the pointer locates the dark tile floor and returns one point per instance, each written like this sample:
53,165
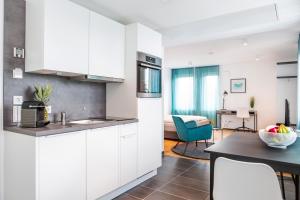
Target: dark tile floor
181,179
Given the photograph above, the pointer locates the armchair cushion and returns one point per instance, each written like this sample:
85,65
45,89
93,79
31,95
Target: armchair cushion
191,124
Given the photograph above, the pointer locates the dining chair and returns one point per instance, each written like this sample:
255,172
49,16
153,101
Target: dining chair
236,180
243,113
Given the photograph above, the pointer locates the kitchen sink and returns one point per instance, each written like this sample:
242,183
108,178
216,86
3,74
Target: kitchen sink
88,121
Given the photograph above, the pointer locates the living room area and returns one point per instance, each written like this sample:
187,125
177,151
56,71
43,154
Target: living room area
213,82
239,85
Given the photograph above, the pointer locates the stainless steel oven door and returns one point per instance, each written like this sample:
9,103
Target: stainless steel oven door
149,81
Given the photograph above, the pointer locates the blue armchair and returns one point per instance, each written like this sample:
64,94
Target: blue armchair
190,132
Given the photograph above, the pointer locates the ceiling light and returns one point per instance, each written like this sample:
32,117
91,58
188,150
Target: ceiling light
257,58
245,43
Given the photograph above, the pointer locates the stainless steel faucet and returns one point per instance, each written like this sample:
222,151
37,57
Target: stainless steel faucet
63,116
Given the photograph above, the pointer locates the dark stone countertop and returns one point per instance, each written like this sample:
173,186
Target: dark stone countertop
58,128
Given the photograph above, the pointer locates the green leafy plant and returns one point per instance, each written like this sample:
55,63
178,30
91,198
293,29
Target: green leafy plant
42,93
252,102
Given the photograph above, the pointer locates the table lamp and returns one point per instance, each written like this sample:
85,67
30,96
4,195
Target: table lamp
225,93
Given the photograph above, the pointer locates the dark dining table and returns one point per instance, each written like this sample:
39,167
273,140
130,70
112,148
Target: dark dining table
249,148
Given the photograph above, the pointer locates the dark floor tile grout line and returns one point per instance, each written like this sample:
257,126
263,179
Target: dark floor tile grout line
133,196
173,195
158,189
191,188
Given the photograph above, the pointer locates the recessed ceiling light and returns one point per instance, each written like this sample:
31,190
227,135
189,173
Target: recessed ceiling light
257,58
245,43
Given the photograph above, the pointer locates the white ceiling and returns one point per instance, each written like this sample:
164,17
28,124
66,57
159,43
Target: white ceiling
189,21
275,46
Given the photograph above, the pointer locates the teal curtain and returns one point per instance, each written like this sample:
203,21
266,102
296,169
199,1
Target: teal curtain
298,95
207,91
179,92
195,91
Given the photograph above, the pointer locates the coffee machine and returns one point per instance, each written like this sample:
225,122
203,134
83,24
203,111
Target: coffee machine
33,114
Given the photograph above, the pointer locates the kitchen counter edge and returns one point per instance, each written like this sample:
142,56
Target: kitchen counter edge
57,128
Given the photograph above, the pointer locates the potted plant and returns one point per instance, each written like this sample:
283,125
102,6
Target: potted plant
252,102
43,93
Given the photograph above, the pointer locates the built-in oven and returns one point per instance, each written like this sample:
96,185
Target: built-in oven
148,76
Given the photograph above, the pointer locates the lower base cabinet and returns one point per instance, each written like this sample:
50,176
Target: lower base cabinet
84,165
128,153
102,161
61,167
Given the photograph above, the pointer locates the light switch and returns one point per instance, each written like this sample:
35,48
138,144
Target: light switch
18,73
17,100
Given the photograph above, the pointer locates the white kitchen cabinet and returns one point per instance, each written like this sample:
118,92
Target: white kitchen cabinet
57,37
150,134
102,161
83,165
107,47
128,153
61,166
149,41
45,168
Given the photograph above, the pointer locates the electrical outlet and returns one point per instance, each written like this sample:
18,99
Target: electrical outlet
16,114
17,100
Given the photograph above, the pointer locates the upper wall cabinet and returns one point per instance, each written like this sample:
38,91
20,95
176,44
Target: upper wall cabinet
107,47
57,37
149,41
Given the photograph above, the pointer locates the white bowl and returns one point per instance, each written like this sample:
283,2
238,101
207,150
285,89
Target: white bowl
278,140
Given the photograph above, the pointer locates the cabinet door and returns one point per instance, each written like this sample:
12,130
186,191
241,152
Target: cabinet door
128,153
66,36
102,161
62,167
150,134
149,41
107,47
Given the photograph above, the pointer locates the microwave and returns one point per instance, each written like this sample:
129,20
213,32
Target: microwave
148,76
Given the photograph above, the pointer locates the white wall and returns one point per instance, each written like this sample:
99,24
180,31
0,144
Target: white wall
166,77
287,89
1,103
261,83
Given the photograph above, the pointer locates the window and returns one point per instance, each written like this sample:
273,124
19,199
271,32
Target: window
184,94
210,100
195,91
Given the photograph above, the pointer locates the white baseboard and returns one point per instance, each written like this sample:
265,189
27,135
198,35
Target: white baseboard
127,187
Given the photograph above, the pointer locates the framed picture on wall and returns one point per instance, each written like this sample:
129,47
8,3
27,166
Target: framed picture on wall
238,85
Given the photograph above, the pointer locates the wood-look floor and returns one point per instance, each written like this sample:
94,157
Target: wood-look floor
181,179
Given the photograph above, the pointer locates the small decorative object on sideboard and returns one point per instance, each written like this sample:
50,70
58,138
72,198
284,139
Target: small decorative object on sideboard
43,93
252,102
278,136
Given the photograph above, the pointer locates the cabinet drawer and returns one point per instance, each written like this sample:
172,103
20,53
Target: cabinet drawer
128,129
